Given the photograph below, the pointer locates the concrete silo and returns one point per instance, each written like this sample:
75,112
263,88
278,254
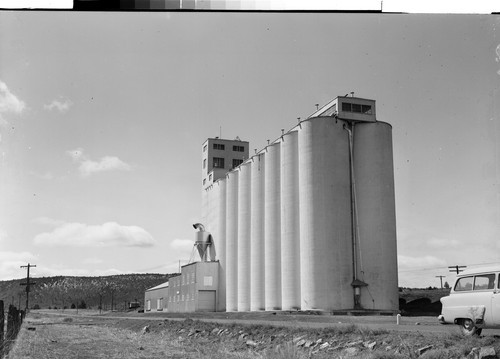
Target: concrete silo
232,241
257,277
325,221
272,227
244,236
376,215
290,226
220,239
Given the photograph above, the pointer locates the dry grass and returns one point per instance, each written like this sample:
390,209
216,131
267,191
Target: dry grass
97,337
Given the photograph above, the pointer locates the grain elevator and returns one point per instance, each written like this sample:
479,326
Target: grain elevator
308,222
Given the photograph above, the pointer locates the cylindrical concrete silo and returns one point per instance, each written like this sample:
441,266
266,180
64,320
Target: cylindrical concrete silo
232,241
204,205
244,235
257,277
376,215
290,226
272,228
325,215
220,241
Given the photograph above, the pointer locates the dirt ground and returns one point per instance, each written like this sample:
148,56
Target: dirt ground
67,334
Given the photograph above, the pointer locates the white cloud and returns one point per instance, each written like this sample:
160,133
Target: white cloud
109,234
61,106
11,262
88,166
9,103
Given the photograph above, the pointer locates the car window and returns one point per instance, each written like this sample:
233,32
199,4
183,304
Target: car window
484,281
464,283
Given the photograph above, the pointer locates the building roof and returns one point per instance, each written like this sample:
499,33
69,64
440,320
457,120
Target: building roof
163,285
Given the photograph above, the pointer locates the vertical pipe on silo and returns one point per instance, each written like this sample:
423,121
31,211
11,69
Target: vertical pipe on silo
375,203
272,228
220,242
325,208
257,278
232,241
290,227
244,235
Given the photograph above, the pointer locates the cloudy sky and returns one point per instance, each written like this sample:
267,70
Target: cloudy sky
102,117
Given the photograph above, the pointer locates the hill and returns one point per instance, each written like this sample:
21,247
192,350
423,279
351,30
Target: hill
65,291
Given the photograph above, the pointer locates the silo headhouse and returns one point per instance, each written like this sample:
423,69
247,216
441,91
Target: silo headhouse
308,222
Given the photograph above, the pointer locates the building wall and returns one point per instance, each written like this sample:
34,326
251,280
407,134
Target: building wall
211,148
157,299
184,290
293,225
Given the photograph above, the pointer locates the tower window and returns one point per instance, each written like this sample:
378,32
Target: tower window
205,148
218,162
205,163
346,106
239,148
219,146
236,163
356,107
367,109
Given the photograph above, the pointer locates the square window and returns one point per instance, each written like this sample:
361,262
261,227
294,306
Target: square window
366,109
484,281
346,106
356,108
239,148
218,162
219,146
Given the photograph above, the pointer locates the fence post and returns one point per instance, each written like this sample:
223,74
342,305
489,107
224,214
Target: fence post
2,326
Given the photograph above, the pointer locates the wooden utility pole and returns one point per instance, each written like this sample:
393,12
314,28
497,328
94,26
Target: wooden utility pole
28,284
441,278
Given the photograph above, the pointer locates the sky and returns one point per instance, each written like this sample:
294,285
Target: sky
102,118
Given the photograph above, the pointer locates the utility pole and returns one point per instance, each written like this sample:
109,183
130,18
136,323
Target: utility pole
441,278
457,268
28,284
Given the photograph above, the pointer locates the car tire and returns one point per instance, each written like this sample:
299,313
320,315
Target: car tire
468,328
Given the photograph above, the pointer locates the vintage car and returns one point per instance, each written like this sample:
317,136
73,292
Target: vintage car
474,301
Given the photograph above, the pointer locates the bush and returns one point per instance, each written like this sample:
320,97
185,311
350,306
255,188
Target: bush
36,306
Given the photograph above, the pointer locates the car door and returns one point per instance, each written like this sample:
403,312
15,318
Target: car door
495,304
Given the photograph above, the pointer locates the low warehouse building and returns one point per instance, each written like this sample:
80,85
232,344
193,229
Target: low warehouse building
194,290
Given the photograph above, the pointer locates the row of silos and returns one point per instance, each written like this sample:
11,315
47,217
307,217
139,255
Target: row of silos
283,221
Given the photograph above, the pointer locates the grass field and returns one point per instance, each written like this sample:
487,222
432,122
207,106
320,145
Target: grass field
87,335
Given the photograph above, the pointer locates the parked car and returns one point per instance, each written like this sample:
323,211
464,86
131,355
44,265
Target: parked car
474,301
